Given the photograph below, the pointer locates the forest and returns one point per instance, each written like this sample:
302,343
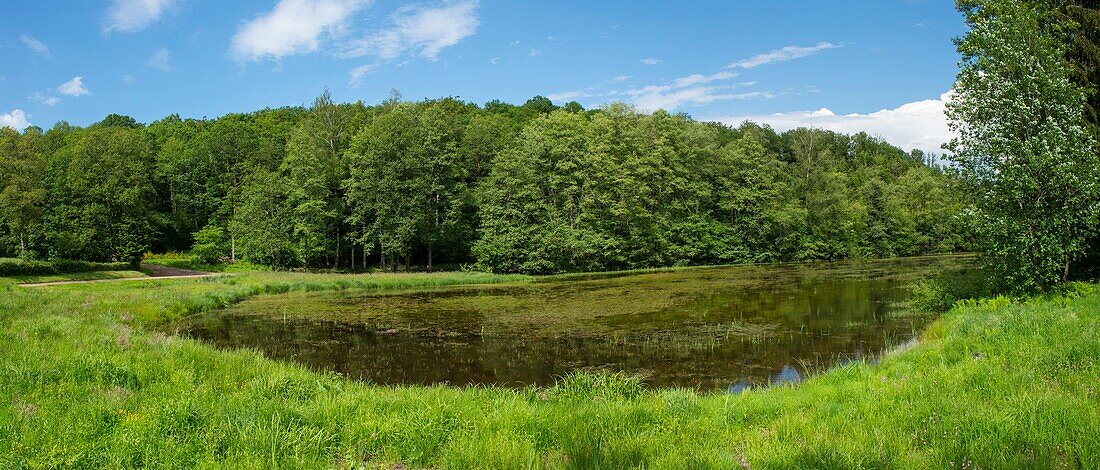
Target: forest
534,188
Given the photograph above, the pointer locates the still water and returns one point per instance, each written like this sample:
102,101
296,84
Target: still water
710,328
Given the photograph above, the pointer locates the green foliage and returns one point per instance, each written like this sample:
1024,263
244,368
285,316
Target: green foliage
622,190
101,195
1083,52
942,291
211,245
11,267
261,223
407,184
314,171
411,185
1023,149
22,190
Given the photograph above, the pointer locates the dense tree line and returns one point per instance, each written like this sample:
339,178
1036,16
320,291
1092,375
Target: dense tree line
529,188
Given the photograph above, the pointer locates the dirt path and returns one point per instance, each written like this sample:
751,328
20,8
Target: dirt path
155,272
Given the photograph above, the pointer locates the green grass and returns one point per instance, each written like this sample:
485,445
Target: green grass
85,383
188,262
85,276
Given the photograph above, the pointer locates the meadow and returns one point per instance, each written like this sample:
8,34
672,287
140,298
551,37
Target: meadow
88,381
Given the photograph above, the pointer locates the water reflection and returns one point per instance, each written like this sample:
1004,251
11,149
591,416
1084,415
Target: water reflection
703,329
788,375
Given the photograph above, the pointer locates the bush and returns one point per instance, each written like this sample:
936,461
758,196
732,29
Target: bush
211,245
45,268
941,292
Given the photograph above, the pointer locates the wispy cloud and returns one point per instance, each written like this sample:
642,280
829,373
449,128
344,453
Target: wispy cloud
917,125
355,77
569,95
42,98
292,27
697,79
692,89
15,119
782,55
421,31
127,16
160,60
650,61
37,47
74,87
670,100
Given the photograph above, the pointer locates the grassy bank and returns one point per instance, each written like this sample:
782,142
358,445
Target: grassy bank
85,383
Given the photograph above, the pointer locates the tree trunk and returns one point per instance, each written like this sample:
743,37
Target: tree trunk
429,257
337,248
232,248
1065,270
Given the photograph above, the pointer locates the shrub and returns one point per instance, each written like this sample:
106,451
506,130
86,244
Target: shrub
211,245
941,292
45,268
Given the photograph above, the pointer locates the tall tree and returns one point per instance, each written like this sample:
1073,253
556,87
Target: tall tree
1083,52
262,222
314,170
1022,145
101,196
22,190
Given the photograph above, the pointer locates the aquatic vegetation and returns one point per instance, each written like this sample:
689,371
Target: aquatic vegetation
705,328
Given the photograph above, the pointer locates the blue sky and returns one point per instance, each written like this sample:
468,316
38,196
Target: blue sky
878,65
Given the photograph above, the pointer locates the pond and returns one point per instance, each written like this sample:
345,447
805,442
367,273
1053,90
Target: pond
704,328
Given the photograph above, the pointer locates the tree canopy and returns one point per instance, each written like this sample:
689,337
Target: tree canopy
530,188
1023,146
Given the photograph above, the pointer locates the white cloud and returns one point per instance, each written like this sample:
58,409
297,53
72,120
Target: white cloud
622,78
698,79
16,119
37,47
568,95
652,100
160,61
355,77
45,99
650,61
74,87
128,16
918,125
494,60
782,55
691,89
128,79
421,31
292,27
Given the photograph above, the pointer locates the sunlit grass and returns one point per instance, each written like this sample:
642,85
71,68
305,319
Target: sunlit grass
84,383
